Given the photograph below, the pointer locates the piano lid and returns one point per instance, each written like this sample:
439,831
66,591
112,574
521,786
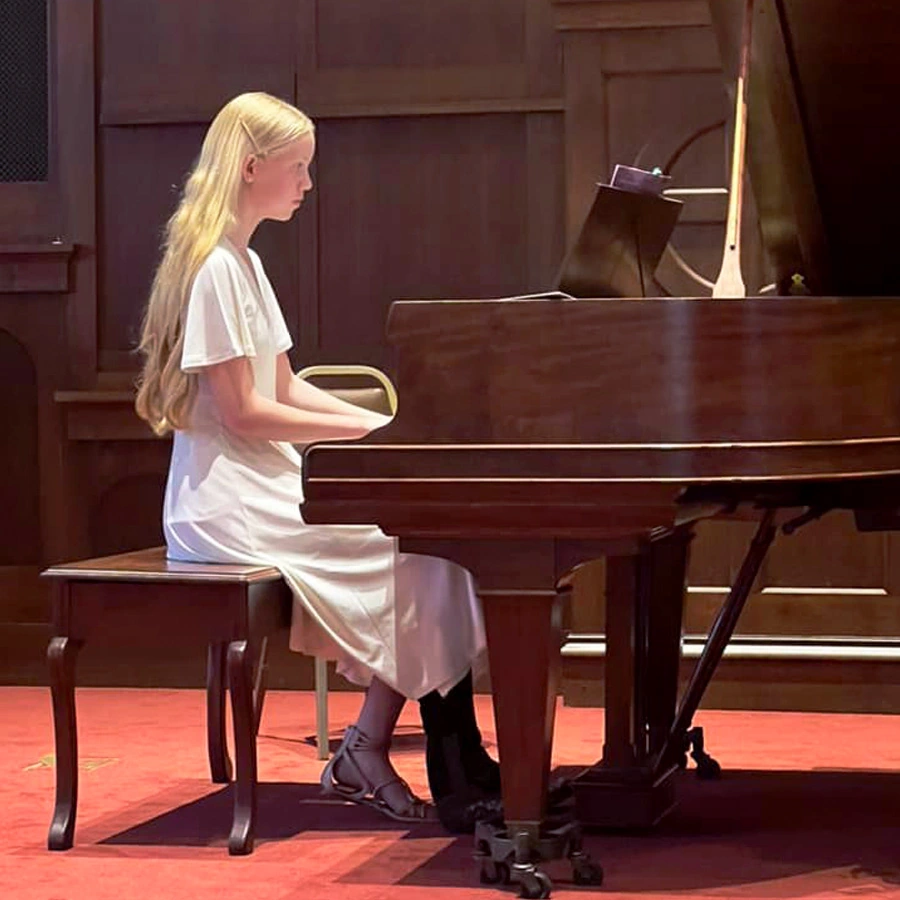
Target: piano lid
824,134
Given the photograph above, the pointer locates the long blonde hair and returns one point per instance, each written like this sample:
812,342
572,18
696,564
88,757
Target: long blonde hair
254,123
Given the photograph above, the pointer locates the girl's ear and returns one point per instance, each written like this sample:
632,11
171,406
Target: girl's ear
248,169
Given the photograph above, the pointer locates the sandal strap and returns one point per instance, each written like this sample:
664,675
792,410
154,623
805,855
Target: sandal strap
356,740
359,740
414,805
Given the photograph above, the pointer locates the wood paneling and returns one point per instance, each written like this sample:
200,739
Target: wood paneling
179,62
19,462
455,151
34,268
407,33
401,56
78,185
416,208
143,172
642,78
590,15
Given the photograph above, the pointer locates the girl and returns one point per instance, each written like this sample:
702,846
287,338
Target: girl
216,372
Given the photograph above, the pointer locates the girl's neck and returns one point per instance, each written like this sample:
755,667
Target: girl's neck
242,231
239,238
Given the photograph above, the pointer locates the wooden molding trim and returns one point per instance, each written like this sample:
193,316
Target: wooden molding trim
35,268
607,15
321,108
793,648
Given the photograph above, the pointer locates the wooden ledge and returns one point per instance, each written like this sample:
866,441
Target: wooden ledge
607,15
794,648
39,268
102,415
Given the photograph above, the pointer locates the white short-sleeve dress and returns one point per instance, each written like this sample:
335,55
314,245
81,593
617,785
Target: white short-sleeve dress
413,621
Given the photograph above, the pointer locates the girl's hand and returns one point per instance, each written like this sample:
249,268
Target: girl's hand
376,420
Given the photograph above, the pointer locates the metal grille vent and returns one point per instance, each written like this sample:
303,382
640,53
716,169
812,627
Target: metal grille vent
23,90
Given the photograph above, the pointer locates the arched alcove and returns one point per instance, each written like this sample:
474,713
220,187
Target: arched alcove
19,469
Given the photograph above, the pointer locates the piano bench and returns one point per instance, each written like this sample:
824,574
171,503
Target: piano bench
142,597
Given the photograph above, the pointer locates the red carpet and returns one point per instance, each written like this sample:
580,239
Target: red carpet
809,807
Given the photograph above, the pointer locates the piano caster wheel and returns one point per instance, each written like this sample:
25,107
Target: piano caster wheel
707,768
493,873
585,871
513,858
534,884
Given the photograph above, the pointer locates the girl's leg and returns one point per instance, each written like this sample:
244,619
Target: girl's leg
363,761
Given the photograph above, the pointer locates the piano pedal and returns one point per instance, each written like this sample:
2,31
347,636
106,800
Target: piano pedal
506,858
707,768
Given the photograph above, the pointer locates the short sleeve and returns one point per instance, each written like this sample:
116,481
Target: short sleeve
281,337
216,328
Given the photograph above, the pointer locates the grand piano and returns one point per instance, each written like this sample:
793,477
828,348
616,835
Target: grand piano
535,435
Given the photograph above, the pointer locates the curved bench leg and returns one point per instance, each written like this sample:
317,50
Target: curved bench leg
217,746
259,684
61,656
240,682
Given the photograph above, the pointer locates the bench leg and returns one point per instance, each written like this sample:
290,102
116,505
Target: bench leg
259,684
240,682
217,746
61,656
321,708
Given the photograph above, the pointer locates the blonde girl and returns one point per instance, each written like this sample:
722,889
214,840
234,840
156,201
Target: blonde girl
217,374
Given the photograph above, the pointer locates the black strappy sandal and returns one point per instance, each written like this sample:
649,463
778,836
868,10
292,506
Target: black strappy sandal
416,811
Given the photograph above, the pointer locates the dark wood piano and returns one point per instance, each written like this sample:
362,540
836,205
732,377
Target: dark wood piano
535,435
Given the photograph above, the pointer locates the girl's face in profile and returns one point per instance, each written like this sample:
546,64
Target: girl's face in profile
275,186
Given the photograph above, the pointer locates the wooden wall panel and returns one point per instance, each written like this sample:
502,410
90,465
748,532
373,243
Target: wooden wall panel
411,34
406,57
175,62
417,208
143,171
33,489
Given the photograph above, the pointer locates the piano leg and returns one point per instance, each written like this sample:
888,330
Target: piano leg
526,625
662,613
644,604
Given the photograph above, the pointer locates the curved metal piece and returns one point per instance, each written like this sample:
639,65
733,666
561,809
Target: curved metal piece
683,147
355,370
685,267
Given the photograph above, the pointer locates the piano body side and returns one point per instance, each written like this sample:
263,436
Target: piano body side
592,417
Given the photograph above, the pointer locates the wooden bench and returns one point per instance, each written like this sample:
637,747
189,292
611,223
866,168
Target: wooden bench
143,597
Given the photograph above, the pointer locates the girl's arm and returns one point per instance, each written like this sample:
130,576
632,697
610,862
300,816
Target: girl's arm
301,394
247,413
